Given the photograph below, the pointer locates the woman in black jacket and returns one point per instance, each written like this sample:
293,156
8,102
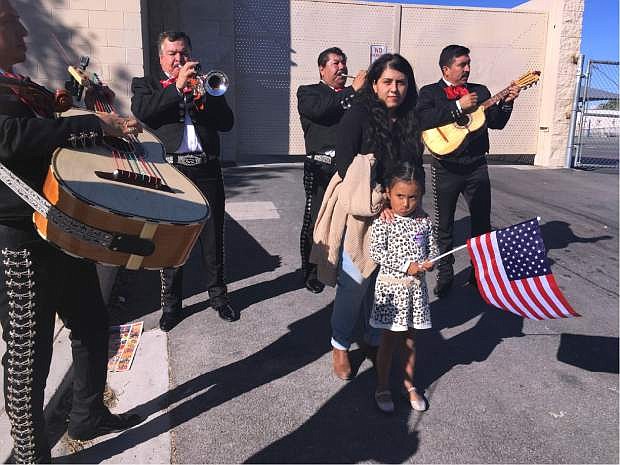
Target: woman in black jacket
380,122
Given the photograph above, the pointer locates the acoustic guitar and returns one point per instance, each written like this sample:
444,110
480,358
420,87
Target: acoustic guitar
452,138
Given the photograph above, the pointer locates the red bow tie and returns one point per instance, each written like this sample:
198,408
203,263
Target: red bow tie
455,92
167,82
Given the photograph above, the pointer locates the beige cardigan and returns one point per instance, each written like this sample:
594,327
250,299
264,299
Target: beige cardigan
350,203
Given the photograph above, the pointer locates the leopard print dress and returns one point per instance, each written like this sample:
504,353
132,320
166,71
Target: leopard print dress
401,300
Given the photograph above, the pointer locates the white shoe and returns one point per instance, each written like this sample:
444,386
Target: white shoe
384,401
417,405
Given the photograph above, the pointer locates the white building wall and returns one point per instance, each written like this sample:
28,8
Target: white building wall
560,69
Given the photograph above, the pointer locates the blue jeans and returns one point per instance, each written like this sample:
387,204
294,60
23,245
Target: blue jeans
352,306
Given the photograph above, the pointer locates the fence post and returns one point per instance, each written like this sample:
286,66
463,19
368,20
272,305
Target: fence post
584,109
573,116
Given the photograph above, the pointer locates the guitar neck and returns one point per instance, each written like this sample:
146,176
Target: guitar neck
101,101
496,98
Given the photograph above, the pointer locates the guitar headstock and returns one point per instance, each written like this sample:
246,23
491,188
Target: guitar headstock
528,79
81,76
80,79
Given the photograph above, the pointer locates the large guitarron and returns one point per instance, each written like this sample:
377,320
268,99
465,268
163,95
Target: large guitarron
119,203
452,138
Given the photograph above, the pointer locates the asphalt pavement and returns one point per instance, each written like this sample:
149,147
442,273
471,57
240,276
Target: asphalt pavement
501,389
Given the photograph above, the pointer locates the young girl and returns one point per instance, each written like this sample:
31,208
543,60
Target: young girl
402,248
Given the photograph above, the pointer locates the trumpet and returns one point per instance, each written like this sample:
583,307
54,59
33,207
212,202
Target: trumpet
214,82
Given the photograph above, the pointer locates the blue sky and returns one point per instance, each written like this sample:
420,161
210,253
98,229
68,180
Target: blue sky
600,23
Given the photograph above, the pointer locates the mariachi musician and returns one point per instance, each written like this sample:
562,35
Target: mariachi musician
465,173
321,106
188,128
38,280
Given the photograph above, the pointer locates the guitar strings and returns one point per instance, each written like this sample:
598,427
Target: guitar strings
134,158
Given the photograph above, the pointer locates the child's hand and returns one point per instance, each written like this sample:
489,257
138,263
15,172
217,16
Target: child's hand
415,269
428,265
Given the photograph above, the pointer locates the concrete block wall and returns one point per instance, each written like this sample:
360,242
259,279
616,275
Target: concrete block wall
559,74
60,31
210,25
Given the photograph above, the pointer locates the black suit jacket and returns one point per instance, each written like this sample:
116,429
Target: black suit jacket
26,146
320,109
434,109
163,111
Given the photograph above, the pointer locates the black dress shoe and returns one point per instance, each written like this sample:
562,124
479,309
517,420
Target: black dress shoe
226,312
111,423
314,285
443,287
169,321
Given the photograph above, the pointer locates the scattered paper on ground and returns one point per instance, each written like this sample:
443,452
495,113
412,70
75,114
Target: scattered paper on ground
124,340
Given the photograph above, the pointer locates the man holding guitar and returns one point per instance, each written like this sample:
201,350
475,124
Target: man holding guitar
38,280
464,171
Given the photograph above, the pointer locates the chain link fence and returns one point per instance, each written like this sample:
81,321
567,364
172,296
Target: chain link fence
597,124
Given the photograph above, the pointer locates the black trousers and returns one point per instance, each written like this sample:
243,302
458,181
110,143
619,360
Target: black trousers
316,179
37,282
208,178
448,183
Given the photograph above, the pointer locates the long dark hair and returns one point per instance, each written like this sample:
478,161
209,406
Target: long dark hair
388,139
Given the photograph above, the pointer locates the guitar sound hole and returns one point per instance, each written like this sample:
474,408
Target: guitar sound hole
463,120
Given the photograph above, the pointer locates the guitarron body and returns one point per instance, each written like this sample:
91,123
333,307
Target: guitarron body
451,138
81,183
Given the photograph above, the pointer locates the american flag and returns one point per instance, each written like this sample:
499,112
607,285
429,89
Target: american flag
513,272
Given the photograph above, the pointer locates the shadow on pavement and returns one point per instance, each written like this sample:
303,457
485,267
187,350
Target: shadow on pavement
438,355
364,433
348,429
559,235
592,353
141,289
248,180
255,293
287,354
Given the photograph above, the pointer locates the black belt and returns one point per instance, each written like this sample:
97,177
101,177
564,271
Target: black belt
190,158
326,157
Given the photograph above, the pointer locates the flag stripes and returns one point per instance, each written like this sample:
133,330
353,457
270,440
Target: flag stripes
535,297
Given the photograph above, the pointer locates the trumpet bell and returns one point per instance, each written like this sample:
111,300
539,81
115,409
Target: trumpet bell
215,82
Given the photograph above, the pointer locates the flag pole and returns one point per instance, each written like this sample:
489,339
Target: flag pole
457,249
448,253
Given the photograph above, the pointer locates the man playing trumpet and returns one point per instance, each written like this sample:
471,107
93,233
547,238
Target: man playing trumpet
188,128
320,108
